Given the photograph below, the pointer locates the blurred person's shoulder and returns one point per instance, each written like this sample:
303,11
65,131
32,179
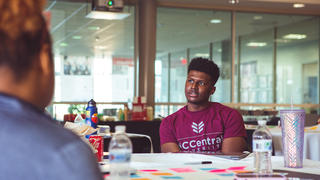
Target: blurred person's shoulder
22,118
39,147
31,128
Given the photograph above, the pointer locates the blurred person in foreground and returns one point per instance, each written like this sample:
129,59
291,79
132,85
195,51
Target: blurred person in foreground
33,146
203,126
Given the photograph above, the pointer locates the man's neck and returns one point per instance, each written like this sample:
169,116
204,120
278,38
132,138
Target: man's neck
197,107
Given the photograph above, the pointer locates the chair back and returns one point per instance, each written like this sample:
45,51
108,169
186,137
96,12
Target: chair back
140,143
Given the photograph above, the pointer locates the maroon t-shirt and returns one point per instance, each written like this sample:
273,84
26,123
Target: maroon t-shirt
202,130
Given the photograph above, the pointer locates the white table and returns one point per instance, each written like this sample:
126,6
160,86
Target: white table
311,148
174,166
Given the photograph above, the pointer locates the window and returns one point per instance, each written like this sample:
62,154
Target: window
298,61
93,57
276,56
263,39
193,33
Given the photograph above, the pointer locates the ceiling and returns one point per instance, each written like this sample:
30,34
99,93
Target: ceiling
312,7
177,29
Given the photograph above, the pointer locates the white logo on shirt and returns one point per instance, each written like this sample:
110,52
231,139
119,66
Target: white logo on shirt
209,143
197,128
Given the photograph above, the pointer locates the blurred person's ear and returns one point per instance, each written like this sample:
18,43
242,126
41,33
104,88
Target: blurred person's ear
46,76
45,60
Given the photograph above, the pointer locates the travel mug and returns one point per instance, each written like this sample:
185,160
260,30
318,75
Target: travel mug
292,127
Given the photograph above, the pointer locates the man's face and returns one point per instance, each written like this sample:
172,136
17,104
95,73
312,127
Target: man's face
198,87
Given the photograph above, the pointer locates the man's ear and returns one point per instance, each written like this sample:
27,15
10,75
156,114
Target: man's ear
212,90
45,60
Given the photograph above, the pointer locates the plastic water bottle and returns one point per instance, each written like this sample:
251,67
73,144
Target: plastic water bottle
262,148
120,149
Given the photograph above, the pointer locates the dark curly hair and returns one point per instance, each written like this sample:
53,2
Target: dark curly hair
207,66
23,31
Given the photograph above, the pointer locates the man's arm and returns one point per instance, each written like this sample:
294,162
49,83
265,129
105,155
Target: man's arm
169,147
234,145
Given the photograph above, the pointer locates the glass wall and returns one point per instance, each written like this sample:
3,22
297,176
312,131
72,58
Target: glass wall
93,57
298,62
255,49
289,41
193,33
276,56
178,73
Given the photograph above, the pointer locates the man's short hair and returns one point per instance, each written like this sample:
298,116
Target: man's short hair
207,66
23,31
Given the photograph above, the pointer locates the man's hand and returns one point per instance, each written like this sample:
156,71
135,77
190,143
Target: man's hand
169,147
234,145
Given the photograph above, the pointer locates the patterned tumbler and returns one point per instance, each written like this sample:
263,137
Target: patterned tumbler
292,127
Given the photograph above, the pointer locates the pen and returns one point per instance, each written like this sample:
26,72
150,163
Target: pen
200,162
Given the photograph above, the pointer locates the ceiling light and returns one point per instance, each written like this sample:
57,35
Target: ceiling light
295,36
233,1
256,44
63,44
77,37
93,27
283,40
215,21
296,5
257,17
201,55
107,15
100,47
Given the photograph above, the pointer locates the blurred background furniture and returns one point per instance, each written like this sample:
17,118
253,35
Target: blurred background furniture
311,146
140,143
311,119
149,128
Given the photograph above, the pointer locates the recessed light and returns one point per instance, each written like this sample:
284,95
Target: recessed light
295,36
283,40
257,17
107,15
100,47
94,28
201,55
215,21
256,44
63,44
233,1
297,5
76,37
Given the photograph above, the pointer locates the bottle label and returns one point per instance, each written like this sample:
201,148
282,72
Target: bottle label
262,145
119,157
87,114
